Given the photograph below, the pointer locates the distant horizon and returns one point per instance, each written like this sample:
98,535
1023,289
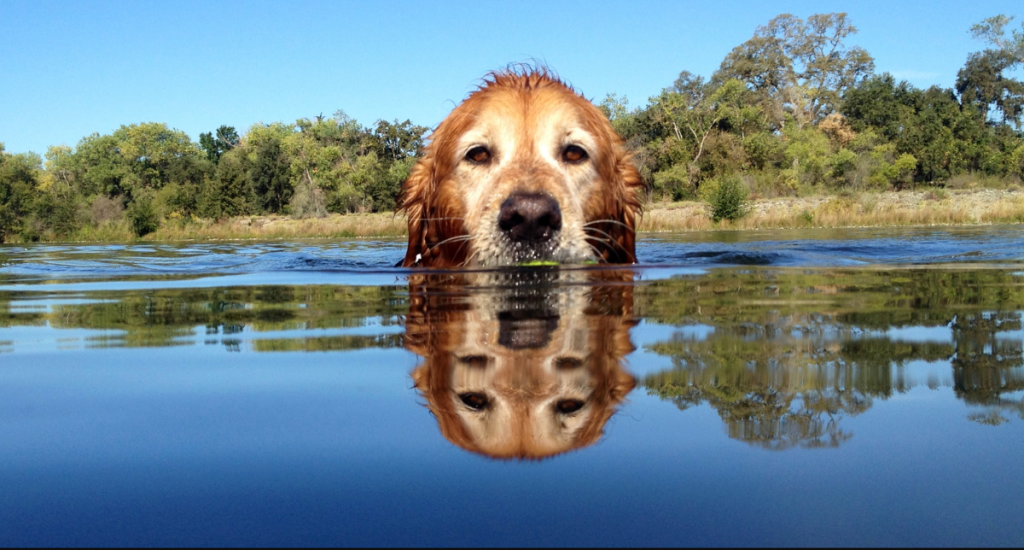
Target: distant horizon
76,69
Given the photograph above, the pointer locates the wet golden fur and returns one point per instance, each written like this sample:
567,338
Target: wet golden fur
526,116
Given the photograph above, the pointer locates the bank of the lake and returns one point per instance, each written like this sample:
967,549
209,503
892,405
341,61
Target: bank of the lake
895,208
904,208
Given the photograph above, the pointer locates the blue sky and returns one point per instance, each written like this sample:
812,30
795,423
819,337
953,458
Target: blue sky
68,69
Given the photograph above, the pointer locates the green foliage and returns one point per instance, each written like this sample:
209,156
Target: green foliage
215,146
799,68
56,212
19,177
674,183
142,215
727,198
807,155
269,177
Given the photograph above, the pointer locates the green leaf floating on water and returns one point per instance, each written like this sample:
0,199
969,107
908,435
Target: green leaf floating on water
537,263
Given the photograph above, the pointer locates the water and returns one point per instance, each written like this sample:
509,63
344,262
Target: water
854,387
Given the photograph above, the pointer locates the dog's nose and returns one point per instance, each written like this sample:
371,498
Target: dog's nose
530,217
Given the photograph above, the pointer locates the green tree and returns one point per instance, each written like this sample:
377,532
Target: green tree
993,31
799,67
156,155
395,141
215,145
880,102
19,180
269,176
983,82
228,192
99,167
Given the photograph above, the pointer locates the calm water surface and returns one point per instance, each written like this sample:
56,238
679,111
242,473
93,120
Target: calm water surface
855,387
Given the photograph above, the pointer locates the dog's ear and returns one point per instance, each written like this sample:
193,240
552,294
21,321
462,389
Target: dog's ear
416,192
628,186
616,237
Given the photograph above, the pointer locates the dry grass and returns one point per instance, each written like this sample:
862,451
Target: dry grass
882,209
335,226
953,207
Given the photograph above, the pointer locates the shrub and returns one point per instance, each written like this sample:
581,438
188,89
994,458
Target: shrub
673,182
142,215
727,198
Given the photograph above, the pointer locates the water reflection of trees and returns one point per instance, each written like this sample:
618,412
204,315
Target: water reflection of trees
986,366
166,317
792,354
783,391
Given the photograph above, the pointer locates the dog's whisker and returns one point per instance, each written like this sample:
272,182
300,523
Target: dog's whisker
442,219
609,240
615,222
464,243
453,239
593,249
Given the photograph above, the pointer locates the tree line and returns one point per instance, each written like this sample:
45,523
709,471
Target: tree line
798,110
794,110
143,175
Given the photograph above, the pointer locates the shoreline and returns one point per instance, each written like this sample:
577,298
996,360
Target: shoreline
888,209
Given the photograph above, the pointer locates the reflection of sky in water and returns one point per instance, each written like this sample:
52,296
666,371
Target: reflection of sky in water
331,448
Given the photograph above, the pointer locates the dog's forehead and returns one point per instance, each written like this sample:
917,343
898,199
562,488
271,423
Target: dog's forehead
514,113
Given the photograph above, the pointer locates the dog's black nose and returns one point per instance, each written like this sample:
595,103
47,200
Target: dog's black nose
530,217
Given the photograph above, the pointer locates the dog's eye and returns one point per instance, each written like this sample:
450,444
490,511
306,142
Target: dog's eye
479,155
568,406
574,154
474,400
567,363
476,361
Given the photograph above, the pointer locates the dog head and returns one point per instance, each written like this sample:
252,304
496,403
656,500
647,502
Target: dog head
525,169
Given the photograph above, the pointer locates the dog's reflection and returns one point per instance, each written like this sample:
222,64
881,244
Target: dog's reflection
522,364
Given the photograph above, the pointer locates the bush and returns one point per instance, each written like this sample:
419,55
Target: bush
673,182
142,215
727,198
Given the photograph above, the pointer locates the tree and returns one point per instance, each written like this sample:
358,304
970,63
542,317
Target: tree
228,192
983,81
879,102
99,168
226,138
799,67
19,178
394,141
268,175
156,155
993,31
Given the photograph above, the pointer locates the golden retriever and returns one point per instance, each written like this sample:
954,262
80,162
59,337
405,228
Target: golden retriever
524,364
524,170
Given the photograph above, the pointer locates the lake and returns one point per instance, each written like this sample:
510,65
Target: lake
811,387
